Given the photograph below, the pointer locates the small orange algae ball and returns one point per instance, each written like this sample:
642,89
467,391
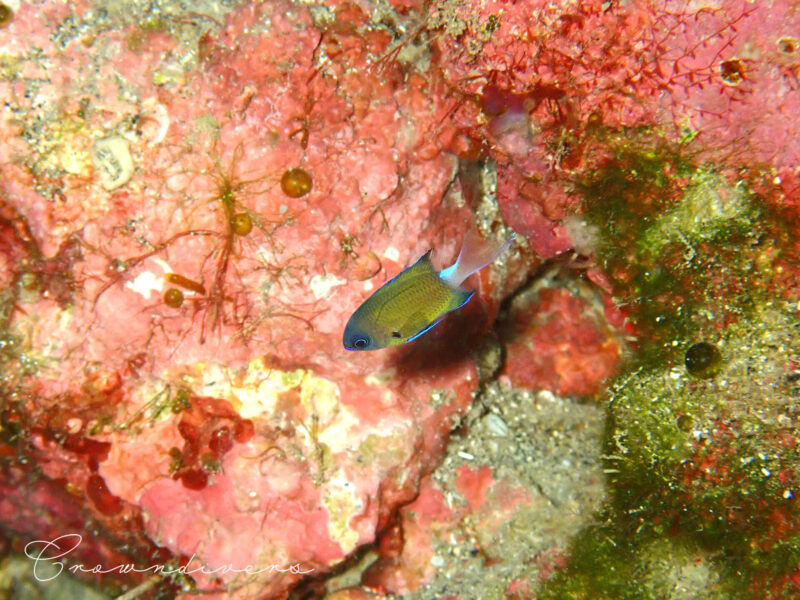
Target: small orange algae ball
6,14
173,298
788,45
241,224
296,183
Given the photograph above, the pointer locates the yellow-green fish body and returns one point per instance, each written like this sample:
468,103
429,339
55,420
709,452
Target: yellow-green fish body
415,300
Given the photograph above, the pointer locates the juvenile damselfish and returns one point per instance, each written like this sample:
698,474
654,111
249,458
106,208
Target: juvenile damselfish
417,298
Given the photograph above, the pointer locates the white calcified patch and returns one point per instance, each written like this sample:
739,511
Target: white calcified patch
71,157
336,426
163,264
392,253
342,431
585,237
264,254
111,157
368,285
145,283
321,285
161,116
496,425
343,504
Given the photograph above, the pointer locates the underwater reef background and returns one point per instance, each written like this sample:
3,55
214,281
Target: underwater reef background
195,197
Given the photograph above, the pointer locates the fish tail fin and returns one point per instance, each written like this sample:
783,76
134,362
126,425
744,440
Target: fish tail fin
475,254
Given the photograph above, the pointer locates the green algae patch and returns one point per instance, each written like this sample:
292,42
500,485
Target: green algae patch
665,420
599,569
702,472
680,244
702,446
382,450
707,211
608,562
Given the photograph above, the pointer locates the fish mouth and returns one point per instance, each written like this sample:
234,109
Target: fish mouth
346,336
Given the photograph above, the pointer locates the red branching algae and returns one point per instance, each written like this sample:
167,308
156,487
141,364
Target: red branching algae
210,428
194,479
106,502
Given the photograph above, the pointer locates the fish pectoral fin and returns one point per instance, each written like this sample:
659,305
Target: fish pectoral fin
415,323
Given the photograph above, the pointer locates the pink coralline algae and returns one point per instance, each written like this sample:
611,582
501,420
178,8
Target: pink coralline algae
404,552
224,421
561,345
191,206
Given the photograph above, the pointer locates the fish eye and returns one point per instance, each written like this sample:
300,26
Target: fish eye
360,343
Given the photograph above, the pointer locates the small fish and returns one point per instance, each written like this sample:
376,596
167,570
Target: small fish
417,298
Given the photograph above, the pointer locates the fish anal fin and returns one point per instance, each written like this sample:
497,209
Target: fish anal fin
416,323
426,329
459,299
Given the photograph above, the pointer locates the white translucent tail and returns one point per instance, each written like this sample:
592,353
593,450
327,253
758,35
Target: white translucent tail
475,254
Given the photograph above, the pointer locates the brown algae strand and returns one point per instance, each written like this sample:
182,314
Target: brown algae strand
185,283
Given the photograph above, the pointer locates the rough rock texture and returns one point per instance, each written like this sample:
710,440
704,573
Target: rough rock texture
552,80
488,524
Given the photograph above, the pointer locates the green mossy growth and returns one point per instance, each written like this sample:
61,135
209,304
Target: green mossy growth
599,569
709,464
9,67
674,238
703,443
138,39
703,475
610,562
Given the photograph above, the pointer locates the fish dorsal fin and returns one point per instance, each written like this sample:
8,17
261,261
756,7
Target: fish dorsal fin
423,264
